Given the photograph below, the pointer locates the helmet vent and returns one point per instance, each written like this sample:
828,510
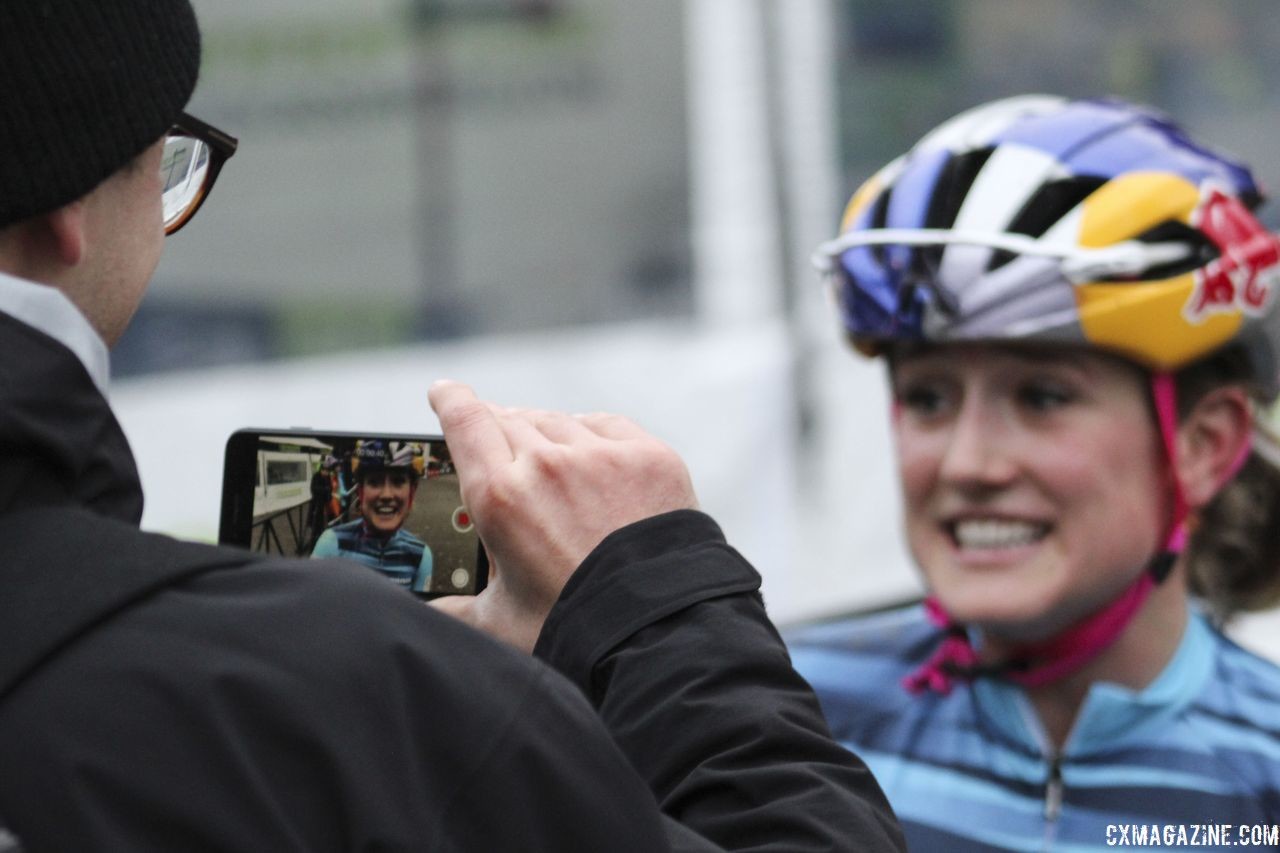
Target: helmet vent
952,187
1173,231
879,216
949,193
1046,206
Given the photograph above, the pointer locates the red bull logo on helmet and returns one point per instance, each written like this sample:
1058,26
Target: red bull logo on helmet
1246,272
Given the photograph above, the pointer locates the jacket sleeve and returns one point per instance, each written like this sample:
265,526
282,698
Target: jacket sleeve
551,780
664,629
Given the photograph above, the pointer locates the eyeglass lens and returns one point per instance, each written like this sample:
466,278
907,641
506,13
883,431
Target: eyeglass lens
183,170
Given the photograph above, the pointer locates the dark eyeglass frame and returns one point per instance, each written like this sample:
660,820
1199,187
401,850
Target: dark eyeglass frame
221,146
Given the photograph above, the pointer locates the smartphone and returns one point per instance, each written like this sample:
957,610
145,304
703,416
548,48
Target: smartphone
389,503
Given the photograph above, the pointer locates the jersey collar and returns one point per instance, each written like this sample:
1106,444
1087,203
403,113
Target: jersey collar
1111,714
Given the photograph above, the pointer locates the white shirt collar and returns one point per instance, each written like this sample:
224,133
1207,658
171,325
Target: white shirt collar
48,310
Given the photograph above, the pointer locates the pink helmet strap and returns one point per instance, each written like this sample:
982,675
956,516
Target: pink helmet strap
1164,393
1034,664
1042,663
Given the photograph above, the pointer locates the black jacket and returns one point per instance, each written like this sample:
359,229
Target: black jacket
161,695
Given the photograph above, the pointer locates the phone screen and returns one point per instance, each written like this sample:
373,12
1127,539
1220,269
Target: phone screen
389,503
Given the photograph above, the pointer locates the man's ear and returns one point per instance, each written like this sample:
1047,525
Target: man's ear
41,247
65,230
1213,440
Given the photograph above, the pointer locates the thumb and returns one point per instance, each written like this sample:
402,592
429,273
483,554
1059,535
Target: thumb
461,607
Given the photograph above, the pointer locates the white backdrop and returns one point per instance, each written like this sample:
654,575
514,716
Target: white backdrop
818,517
722,399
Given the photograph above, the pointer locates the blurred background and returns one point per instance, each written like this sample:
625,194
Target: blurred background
603,204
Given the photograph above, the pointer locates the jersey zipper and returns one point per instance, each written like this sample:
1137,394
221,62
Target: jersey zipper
1053,790
1053,794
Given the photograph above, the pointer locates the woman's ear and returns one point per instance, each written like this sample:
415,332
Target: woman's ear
1213,441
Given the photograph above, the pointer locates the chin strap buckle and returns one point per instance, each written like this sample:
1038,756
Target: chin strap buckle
1161,565
954,659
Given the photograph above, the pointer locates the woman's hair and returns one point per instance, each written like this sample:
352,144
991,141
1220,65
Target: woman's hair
1233,557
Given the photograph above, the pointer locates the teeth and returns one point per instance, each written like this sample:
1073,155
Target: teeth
993,533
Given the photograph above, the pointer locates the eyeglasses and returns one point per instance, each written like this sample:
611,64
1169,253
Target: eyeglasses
193,155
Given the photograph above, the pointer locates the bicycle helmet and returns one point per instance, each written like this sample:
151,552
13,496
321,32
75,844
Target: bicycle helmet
1095,222
377,454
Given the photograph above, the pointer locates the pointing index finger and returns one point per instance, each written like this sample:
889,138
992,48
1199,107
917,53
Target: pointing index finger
475,438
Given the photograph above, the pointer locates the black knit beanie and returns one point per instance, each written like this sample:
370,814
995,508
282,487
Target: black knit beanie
85,87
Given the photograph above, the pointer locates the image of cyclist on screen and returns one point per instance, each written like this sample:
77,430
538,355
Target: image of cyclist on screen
387,475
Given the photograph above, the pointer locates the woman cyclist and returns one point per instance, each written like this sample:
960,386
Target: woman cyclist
1078,314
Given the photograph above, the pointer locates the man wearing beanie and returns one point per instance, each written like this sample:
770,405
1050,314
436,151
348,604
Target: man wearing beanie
157,695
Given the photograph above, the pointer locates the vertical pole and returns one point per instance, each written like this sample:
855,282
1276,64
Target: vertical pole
442,310
734,214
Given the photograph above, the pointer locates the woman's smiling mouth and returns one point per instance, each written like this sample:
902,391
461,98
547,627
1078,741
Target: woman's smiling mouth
987,534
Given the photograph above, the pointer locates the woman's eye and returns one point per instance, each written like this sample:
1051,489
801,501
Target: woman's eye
924,400
1044,396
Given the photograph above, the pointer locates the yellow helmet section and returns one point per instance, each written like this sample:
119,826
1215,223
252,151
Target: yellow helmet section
1166,337
1130,204
863,196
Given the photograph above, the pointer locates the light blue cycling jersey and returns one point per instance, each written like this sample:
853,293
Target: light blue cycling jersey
402,557
973,770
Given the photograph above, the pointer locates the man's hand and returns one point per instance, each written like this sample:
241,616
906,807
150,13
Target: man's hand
544,489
